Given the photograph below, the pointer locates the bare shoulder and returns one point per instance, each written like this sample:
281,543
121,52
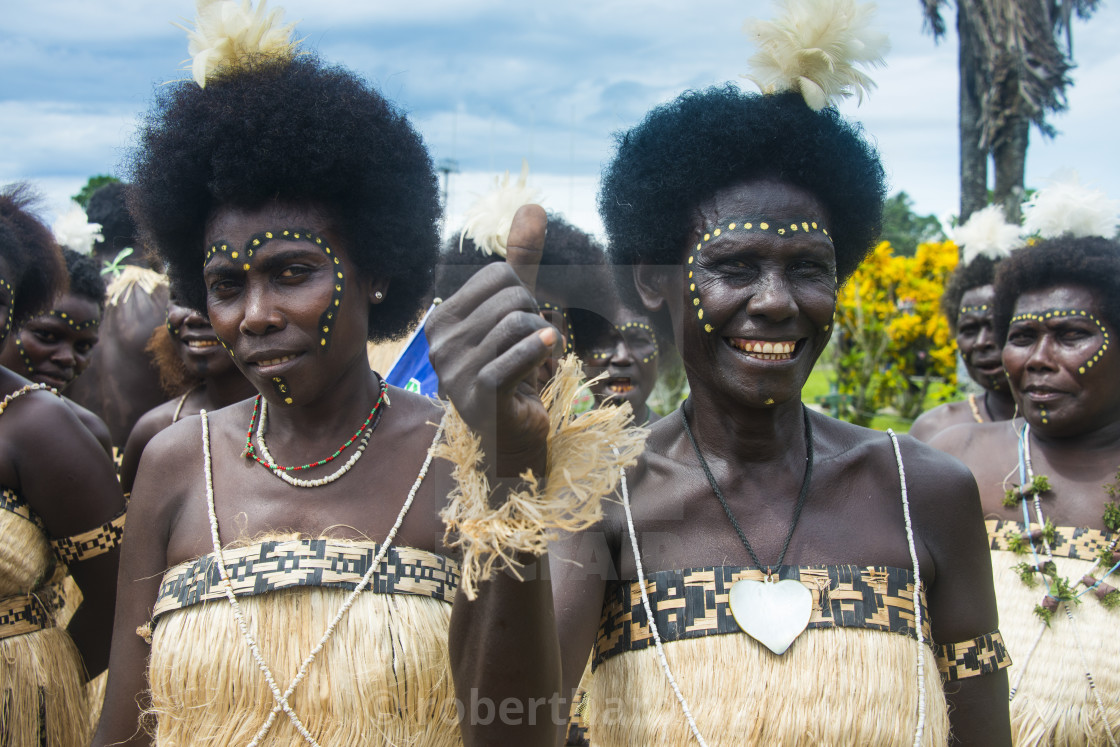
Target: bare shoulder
93,424
169,469
932,422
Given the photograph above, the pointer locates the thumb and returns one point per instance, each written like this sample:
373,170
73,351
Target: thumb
526,243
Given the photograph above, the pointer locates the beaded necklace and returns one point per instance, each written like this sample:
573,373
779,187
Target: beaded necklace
259,421
976,410
25,389
281,698
1058,588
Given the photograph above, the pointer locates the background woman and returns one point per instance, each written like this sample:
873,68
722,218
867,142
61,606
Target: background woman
1049,484
60,506
299,209
967,303
195,368
55,348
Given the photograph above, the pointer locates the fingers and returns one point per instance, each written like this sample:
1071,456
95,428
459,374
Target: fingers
526,243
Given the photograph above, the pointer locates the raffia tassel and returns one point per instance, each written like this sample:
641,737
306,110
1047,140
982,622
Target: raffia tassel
583,468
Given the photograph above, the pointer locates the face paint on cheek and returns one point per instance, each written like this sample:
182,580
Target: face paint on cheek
646,356
714,232
327,320
171,329
23,356
569,338
11,305
1058,313
282,390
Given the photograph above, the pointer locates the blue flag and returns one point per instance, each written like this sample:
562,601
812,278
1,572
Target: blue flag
412,369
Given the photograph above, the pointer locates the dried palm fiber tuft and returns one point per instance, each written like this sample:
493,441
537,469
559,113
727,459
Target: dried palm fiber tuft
1053,705
41,669
132,276
583,468
834,686
384,677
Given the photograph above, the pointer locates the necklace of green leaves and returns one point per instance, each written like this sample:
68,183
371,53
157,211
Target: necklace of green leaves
1058,588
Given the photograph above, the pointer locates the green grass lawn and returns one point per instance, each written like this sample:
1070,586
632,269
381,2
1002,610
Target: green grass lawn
818,386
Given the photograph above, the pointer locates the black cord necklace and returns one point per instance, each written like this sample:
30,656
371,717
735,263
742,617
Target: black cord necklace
727,509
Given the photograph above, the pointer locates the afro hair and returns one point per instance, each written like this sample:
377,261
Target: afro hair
85,276
568,254
1089,261
685,151
38,274
299,132
976,274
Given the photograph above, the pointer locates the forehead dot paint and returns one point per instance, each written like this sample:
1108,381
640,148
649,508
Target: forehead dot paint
247,253
1059,313
74,324
784,229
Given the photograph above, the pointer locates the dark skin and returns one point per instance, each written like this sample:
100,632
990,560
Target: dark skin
55,464
122,383
59,347
271,313
625,349
221,384
980,351
1078,445
747,416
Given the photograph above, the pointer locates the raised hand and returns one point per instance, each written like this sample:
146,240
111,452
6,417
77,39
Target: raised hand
487,343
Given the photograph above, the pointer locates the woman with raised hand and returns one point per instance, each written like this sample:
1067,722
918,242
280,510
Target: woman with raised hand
287,582
60,509
768,575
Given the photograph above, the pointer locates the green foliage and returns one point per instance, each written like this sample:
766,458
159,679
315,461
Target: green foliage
1111,600
1044,613
91,186
1040,484
1026,573
905,229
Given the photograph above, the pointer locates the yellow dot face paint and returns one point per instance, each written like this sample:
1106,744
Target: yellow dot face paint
1095,357
289,234
716,231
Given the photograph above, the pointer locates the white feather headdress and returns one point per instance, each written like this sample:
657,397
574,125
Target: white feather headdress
1066,207
227,34
814,48
488,221
74,230
987,233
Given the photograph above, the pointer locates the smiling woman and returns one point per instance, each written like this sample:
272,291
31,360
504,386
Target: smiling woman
297,210
768,575
1054,530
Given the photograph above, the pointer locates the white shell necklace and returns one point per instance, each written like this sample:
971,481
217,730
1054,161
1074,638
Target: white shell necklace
281,698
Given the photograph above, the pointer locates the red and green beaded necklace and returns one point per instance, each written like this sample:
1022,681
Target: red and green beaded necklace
251,451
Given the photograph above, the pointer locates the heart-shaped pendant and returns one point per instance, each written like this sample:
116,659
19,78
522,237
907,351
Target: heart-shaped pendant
772,612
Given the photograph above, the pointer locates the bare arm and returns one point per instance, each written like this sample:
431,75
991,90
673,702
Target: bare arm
962,603
151,423
143,562
69,481
486,344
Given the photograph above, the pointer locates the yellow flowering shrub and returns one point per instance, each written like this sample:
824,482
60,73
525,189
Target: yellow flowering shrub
892,342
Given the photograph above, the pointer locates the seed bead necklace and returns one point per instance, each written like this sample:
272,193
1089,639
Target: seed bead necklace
1063,589
281,698
25,389
259,421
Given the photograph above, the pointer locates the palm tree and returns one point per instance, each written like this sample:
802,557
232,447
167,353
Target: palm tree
1014,70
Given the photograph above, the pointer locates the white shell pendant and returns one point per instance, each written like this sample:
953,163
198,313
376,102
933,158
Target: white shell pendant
772,612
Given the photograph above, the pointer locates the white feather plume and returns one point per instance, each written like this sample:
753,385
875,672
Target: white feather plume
227,34
488,221
814,48
987,233
1067,207
74,230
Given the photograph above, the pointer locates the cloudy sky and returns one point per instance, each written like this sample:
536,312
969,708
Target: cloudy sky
490,82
